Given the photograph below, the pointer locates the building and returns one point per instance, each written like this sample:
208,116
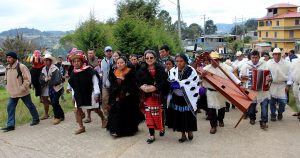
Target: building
281,26
214,42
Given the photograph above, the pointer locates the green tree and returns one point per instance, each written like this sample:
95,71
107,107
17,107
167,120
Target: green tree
89,34
194,31
238,30
134,36
251,24
235,45
247,39
139,8
18,44
165,19
210,27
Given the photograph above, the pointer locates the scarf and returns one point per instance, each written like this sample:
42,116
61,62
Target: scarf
83,67
121,73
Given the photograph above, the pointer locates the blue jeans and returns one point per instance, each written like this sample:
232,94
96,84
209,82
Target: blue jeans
281,102
264,110
11,109
57,110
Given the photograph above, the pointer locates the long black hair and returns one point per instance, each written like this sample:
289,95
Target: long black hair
184,57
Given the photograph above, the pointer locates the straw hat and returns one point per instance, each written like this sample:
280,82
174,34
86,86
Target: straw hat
238,53
214,55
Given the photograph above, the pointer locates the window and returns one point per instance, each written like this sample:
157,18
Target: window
275,11
297,22
261,23
275,45
267,34
275,34
291,34
277,23
259,33
268,23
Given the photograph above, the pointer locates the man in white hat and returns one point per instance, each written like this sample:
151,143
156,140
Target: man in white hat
262,96
215,100
52,78
281,82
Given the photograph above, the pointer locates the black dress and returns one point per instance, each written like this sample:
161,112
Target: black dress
124,115
82,84
179,116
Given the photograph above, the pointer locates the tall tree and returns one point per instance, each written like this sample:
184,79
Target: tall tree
18,44
89,34
251,24
210,27
139,8
165,18
194,31
238,30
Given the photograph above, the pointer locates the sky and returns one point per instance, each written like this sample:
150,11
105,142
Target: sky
64,15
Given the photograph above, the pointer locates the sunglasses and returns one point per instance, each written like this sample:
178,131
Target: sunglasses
149,58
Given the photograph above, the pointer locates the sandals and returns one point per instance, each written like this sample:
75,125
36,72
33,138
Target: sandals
79,131
150,140
88,120
162,133
182,139
104,123
44,117
114,134
190,136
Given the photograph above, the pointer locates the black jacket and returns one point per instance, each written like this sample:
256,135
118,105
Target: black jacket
159,81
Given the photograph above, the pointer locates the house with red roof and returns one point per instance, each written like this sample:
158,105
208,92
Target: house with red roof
280,26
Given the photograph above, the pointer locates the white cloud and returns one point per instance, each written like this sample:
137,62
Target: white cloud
66,14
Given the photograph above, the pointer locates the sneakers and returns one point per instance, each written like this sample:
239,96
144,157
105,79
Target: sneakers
7,129
273,118
56,121
252,122
279,117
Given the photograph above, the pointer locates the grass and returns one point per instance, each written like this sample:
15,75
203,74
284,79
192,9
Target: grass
292,102
22,113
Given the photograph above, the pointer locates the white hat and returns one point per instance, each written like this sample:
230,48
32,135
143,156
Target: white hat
49,56
107,48
228,62
276,50
238,53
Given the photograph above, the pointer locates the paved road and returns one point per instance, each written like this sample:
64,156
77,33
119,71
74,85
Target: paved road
282,139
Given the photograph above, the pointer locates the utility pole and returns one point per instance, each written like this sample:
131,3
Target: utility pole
204,22
179,21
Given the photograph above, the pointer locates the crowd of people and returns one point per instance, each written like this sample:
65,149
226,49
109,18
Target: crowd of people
158,89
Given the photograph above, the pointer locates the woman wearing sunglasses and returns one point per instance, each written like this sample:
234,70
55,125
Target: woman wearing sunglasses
152,81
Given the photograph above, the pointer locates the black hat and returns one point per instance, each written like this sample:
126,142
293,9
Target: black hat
12,54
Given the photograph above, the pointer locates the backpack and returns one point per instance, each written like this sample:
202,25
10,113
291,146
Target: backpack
19,72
